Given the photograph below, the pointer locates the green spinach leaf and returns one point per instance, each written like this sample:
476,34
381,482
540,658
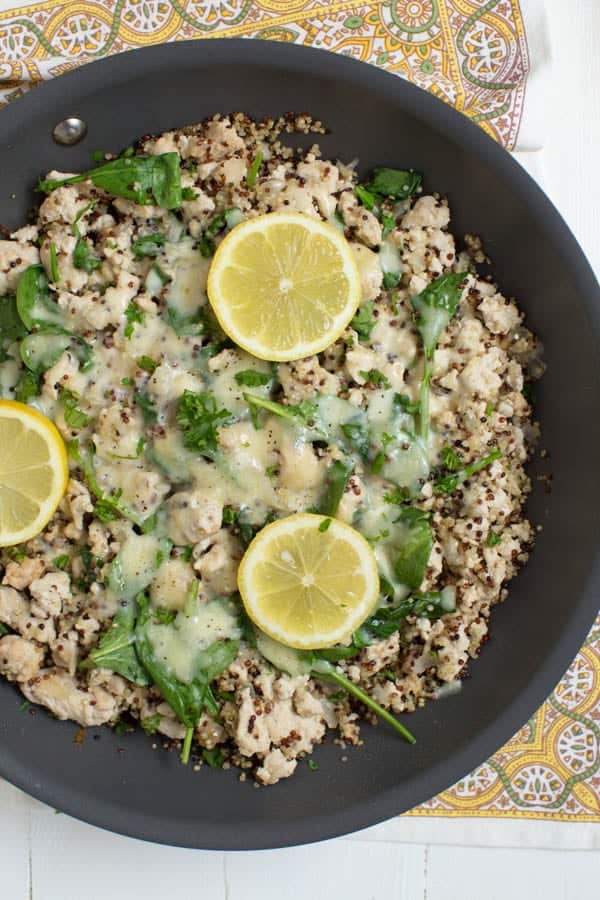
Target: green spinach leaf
336,479
11,327
254,169
365,196
54,264
387,620
143,179
305,414
146,407
34,303
395,183
107,507
184,326
187,700
356,432
116,649
415,548
27,387
253,378
41,350
83,258
434,307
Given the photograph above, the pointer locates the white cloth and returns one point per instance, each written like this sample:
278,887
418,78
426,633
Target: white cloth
533,131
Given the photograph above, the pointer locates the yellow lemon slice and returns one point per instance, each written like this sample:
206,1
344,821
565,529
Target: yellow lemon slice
33,472
284,285
308,581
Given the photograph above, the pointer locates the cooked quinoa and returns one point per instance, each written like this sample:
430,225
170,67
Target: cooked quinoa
172,471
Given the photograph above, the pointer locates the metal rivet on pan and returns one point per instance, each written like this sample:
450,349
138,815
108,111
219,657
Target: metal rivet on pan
70,131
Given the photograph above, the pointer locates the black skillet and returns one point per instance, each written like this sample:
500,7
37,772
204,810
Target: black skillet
118,781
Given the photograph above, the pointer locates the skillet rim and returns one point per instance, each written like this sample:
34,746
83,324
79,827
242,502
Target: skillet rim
445,119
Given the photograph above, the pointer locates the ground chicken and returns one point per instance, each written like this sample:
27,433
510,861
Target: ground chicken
193,515
20,574
65,699
19,659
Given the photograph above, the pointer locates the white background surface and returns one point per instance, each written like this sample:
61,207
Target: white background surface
45,856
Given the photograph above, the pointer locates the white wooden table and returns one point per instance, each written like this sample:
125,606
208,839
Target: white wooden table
46,856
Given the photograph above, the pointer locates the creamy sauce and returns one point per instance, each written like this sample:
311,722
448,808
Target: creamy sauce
137,562
190,271
376,520
177,645
390,259
226,390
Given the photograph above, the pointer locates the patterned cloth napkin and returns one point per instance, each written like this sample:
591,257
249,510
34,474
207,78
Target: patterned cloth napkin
490,60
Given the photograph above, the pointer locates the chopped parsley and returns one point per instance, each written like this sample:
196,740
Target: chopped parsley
206,246
17,554
450,459
214,757
74,417
199,418
147,364
391,280
230,515
106,509
493,538
364,321
28,386
376,378
397,497
90,565
134,315
150,723
162,616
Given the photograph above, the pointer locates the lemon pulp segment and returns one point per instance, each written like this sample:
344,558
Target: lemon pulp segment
284,285
307,585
